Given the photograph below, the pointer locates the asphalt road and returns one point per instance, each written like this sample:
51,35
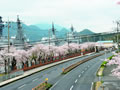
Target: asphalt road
81,77
53,74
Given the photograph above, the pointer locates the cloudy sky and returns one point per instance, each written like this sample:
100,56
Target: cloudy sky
96,15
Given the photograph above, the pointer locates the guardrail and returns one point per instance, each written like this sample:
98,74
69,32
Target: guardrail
78,63
11,75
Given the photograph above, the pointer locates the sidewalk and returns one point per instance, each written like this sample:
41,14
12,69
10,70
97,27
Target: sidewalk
30,72
109,82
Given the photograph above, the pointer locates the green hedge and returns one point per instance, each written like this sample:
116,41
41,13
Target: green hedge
103,63
111,57
48,86
116,51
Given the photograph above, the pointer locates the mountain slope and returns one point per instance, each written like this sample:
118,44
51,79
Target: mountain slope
33,32
86,32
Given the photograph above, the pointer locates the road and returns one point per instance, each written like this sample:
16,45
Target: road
53,74
81,77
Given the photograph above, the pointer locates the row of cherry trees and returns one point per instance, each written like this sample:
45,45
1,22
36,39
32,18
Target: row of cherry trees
39,53
115,61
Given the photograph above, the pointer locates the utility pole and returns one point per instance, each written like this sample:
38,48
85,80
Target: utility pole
79,39
8,36
68,39
49,38
88,38
118,24
8,44
94,38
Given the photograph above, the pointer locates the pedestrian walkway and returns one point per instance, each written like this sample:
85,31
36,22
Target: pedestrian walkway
110,82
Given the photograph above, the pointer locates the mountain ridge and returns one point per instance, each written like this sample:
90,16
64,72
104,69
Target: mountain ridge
86,32
34,33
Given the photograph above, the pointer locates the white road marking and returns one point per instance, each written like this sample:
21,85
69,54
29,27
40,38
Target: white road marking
79,75
76,80
92,86
71,87
21,86
85,68
82,72
58,82
35,79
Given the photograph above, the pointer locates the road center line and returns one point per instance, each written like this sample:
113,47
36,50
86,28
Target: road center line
79,75
76,80
71,87
21,86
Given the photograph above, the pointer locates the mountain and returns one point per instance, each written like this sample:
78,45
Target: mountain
60,30
46,26
86,32
33,32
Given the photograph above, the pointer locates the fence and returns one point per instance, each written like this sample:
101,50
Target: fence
11,75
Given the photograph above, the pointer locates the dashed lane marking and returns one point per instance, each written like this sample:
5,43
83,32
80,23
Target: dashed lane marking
21,86
76,81
35,79
82,72
71,87
79,75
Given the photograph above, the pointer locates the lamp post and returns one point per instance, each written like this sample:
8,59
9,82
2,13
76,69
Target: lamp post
79,39
8,36
68,38
8,45
118,25
49,39
118,34
105,53
87,38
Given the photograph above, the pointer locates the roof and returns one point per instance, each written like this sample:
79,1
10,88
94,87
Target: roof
105,41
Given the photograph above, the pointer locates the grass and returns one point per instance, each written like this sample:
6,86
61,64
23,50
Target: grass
48,85
103,63
64,73
111,57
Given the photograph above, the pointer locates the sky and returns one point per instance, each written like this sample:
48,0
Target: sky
96,15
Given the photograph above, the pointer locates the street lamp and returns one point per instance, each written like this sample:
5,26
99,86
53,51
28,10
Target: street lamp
118,25
49,38
8,36
68,38
8,44
105,53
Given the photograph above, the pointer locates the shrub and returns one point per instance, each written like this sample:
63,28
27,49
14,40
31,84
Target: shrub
103,63
111,57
